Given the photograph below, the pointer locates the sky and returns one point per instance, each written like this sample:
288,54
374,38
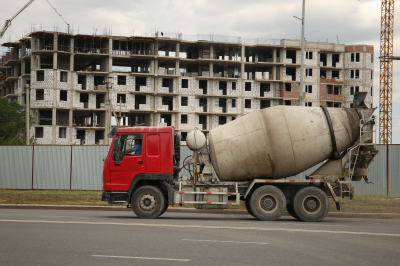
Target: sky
349,21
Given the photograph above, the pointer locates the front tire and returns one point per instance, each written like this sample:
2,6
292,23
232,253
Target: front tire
268,203
148,202
311,204
165,207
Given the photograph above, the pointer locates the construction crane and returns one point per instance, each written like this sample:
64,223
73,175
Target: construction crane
386,72
8,21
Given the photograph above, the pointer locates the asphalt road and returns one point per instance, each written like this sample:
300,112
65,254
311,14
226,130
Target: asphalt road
55,237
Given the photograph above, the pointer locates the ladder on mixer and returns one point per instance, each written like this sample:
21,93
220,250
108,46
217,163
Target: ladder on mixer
345,185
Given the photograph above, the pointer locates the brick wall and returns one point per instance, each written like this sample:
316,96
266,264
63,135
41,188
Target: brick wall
359,48
323,93
294,93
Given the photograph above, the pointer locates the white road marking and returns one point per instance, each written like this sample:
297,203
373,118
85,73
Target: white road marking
218,241
316,224
207,227
53,216
142,258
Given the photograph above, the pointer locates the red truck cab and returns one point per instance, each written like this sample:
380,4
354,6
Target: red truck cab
152,163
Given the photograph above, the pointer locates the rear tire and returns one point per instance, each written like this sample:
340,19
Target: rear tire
268,203
247,204
311,204
148,202
290,210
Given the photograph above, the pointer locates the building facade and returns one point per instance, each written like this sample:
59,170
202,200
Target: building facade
77,86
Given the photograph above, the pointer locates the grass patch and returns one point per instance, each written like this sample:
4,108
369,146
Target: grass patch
360,204
368,204
52,197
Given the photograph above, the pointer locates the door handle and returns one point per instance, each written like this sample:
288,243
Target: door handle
140,162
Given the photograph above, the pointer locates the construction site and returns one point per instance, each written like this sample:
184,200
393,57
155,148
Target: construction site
77,86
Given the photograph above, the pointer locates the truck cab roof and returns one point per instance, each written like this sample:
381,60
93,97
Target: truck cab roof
144,130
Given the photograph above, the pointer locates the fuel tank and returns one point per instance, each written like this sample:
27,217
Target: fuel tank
279,142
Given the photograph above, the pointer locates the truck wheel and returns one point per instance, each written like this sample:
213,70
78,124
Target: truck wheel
268,203
247,204
165,207
311,204
148,202
290,210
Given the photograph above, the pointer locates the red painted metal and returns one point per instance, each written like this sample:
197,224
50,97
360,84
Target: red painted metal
156,157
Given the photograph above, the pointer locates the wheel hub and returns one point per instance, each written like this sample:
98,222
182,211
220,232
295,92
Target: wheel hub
147,202
312,204
268,203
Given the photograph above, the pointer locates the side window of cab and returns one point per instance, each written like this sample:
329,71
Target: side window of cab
129,145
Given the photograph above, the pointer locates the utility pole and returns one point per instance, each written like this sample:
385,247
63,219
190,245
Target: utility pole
303,18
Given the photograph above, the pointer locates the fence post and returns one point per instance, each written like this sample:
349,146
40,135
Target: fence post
70,172
33,161
387,169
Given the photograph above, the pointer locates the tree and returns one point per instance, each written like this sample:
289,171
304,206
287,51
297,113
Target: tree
12,123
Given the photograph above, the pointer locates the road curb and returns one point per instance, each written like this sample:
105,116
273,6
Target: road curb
189,210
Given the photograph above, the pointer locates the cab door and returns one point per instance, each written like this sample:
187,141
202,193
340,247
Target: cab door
125,166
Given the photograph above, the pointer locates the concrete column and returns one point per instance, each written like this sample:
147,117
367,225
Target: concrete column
177,71
273,73
211,70
177,47
211,51
274,55
33,41
55,42
110,45
23,66
152,67
55,60
23,49
242,80
242,62
71,64
156,68
32,52
200,55
108,64
70,122
72,45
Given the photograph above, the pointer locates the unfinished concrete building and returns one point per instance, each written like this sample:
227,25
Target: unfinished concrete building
169,81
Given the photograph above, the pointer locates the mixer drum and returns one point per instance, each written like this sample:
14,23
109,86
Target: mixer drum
279,142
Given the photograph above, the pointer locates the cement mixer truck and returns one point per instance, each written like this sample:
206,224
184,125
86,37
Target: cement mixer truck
248,159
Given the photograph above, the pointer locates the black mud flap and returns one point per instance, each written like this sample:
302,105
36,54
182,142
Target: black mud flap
170,192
